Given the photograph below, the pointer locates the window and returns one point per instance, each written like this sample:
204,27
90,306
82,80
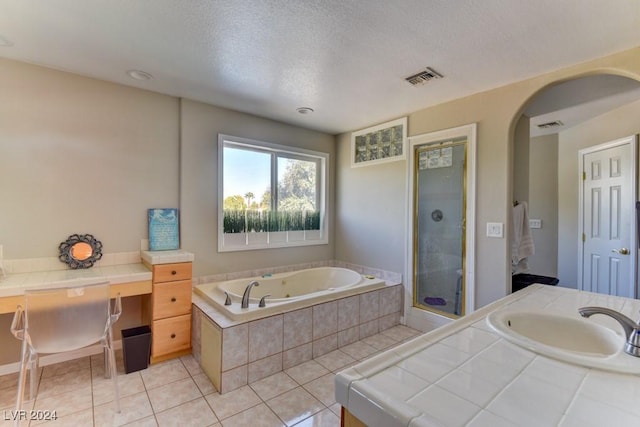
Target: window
270,195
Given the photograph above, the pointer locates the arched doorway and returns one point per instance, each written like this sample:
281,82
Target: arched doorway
551,128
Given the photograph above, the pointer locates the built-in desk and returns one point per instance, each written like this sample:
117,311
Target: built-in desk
127,280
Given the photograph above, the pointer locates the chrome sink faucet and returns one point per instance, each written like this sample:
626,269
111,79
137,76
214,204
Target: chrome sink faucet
632,346
247,291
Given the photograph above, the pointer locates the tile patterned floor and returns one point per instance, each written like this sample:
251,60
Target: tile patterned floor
178,393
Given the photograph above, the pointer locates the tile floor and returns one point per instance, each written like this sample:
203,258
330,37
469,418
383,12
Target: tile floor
178,393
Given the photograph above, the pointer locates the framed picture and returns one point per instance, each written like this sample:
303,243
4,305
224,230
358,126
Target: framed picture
379,144
164,229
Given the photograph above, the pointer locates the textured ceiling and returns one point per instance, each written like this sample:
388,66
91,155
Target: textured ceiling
345,59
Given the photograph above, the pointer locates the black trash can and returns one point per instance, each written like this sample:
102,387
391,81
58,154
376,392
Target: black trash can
521,281
136,348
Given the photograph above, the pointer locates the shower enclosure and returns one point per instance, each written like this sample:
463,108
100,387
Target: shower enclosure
439,226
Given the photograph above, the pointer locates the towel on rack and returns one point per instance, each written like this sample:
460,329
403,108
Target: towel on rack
521,240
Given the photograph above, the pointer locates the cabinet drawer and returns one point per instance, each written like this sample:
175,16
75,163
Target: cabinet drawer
171,272
171,335
171,299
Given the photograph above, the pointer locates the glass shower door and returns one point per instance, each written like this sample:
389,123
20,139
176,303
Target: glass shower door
439,227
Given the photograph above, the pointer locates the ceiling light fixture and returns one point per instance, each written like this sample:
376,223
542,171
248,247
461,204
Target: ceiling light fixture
304,110
139,75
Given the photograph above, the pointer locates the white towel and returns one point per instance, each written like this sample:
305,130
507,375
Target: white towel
521,239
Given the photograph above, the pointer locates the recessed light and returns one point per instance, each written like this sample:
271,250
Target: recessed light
139,75
304,110
5,42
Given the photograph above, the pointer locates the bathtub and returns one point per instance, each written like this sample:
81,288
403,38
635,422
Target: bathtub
289,291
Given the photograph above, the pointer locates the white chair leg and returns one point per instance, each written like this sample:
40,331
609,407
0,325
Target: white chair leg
113,369
22,379
34,370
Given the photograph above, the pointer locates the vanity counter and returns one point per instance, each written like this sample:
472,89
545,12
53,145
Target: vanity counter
126,279
464,373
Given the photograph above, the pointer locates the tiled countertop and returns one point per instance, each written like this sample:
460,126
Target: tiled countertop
466,374
15,284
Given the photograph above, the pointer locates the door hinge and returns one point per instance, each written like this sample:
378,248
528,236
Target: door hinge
584,176
584,237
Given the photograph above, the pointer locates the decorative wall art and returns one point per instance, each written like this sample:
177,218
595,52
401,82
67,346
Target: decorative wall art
164,229
378,144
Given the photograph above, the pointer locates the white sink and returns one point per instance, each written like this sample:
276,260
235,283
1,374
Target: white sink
574,340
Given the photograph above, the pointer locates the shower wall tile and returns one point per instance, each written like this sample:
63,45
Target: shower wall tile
264,367
325,345
348,312
369,306
348,336
297,355
369,328
325,319
265,337
298,328
235,351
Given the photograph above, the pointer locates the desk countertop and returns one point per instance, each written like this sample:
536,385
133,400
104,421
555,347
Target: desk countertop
15,284
466,374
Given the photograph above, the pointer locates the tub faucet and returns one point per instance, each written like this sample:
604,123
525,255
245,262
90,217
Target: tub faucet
632,346
247,291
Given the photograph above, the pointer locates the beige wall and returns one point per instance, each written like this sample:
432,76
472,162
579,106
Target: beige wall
201,124
521,154
79,155
496,113
615,124
543,203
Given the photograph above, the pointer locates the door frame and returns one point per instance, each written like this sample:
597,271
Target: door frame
470,132
632,140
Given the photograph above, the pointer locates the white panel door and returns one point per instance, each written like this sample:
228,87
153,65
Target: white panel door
608,226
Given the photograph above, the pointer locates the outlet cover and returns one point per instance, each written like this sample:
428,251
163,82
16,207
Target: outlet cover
495,229
535,223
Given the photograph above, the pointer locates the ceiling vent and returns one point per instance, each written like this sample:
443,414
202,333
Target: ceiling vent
423,77
549,125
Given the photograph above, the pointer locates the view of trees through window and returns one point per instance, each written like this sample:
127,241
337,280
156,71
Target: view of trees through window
249,203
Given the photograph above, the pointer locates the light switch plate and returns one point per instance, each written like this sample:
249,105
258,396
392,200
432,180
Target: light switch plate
535,223
495,229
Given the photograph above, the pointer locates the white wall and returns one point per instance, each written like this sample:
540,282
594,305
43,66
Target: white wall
613,125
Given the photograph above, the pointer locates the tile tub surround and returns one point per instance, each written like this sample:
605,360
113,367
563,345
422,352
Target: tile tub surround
253,350
466,374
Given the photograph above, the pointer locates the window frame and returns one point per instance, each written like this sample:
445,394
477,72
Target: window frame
276,151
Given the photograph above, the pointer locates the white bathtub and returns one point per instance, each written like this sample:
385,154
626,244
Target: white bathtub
289,291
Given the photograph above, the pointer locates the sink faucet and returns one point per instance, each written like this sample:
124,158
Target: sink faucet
247,291
632,346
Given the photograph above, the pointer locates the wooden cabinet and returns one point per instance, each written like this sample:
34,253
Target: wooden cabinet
169,311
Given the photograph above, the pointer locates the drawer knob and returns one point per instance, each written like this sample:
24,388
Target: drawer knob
173,272
173,299
173,336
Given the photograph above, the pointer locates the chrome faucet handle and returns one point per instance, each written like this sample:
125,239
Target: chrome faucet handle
263,302
227,298
630,327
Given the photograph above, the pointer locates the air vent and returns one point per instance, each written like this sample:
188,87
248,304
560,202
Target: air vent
423,77
549,125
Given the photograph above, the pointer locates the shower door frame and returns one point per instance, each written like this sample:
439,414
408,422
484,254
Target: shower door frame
468,297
